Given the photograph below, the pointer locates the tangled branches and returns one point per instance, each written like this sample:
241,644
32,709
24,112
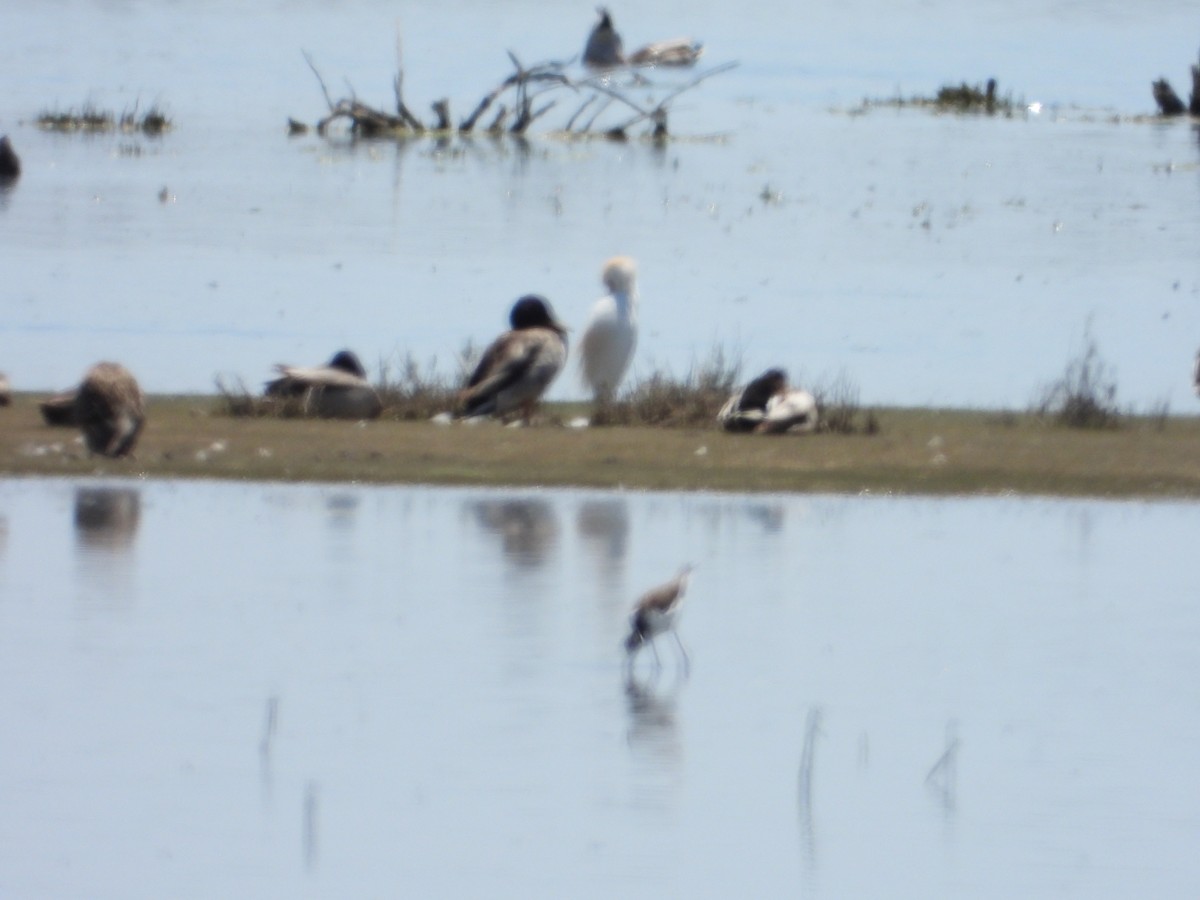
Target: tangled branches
529,88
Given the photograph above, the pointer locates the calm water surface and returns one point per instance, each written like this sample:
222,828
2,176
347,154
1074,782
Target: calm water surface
264,690
932,260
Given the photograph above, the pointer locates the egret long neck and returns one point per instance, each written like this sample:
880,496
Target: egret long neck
626,301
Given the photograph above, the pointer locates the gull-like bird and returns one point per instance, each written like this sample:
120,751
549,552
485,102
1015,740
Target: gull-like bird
610,336
657,611
518,367
767,405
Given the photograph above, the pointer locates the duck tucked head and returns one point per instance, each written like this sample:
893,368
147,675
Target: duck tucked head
532,311
763,388
347,361
619,274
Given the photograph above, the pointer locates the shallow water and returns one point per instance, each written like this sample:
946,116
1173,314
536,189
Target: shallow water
268,690
932,260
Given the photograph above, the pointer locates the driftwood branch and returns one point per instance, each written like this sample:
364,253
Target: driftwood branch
528,84
402,110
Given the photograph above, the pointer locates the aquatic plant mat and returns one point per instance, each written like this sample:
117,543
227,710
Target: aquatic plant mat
916,451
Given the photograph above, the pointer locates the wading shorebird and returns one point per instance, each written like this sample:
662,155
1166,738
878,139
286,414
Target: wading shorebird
656,612
518,366
767,405
610,335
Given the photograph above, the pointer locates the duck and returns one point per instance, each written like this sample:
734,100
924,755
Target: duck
610,336
10,163
110,410
768,405
337,390
518,366
604,48
657,611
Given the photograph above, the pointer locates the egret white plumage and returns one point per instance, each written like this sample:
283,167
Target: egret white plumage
519,365
656,612
767,405
610,336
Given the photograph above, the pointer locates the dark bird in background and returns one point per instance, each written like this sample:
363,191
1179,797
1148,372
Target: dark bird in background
337,390
110,410
517,368
657,611
604,48
1196,374
10,163
767,405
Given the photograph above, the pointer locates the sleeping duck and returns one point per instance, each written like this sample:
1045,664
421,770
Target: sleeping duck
768,406
604,49
337,390
110,410
518,366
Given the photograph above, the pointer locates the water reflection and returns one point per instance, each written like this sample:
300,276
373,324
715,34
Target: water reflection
603,526
527,527
106,518
106,525
808,841
942,779
653,728
343,510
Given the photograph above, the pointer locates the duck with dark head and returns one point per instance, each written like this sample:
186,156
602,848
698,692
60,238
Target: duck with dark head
518,366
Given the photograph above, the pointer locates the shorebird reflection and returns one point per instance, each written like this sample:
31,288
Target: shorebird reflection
652,724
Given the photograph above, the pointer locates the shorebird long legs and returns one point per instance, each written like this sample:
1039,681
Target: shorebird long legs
656,612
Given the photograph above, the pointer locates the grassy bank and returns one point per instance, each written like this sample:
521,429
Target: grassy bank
917,451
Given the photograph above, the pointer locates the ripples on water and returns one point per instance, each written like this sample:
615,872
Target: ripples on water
260,690
933,260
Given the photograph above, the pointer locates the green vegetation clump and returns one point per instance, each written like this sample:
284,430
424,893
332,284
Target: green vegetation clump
93,120
1085,396
960,98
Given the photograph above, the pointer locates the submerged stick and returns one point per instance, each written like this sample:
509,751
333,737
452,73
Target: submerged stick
811,729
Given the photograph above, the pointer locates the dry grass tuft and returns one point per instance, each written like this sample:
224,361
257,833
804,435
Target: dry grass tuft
664,400
1085,396
839,409
414,393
